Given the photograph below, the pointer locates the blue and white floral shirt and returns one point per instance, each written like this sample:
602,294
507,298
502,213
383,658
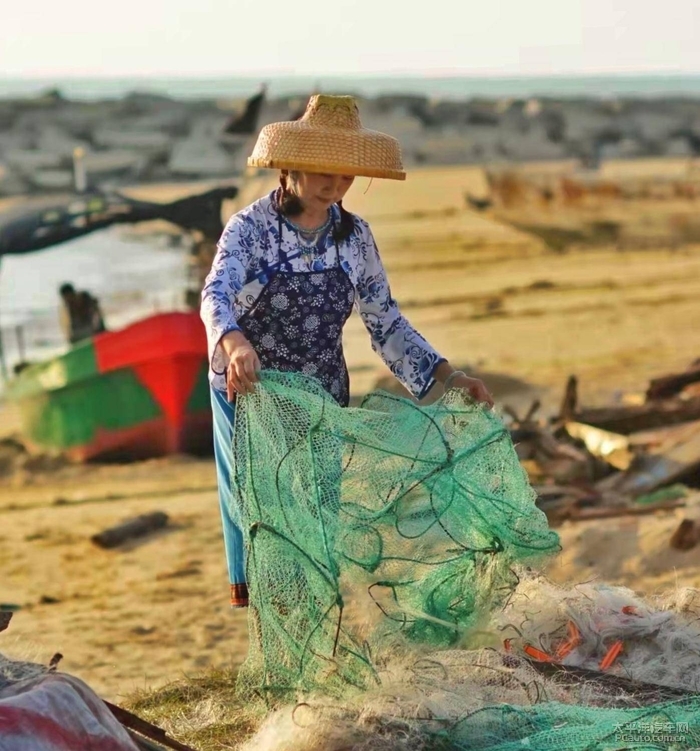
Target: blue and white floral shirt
247,258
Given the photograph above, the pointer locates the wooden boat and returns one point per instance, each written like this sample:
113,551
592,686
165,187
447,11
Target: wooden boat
131,394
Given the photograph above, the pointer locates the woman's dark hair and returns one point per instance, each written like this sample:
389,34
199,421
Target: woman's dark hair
289,204
347,225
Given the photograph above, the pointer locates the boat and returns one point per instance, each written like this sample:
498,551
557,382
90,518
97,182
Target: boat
140,392
137,393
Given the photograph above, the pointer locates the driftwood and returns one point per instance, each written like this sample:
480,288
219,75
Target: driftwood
627,419
560,510
541,441
138,527
612,448
569,403
652,471
686,535
610,513
670,385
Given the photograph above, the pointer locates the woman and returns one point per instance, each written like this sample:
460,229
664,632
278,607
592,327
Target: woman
288,270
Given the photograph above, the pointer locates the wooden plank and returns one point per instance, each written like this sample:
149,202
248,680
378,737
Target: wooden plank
653,471
144,744
634,418
660,440
610,447
584,515
137,527
138,725
670,385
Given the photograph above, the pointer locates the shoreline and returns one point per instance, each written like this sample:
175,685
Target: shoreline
443,84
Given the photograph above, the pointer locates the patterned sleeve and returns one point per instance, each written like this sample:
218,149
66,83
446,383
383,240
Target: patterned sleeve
407,354
234,253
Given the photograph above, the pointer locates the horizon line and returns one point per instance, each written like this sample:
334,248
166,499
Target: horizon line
282,74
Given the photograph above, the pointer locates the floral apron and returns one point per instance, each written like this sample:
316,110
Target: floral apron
296,324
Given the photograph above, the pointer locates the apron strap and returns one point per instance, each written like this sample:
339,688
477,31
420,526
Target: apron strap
282,259
335,241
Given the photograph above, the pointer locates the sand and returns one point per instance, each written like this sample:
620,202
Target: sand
123,619
486,295
630,551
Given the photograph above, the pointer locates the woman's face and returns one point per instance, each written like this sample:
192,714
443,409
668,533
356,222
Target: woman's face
319,191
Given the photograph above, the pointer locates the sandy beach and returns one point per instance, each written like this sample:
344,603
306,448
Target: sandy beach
486,294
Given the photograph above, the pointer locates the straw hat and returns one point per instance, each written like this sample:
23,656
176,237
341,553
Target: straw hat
328,138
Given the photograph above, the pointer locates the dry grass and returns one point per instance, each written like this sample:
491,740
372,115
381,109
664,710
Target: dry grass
201,711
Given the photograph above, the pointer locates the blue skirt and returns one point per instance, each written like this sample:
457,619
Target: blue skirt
224,413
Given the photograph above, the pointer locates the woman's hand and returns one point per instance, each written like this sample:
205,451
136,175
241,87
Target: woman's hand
456,379
243,366
473,386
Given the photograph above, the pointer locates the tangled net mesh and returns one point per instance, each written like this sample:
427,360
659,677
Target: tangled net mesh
381,541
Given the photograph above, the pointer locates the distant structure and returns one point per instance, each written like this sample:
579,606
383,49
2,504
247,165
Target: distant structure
247,122
42,223
81,316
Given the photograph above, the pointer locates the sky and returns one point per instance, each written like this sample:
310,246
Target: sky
80,38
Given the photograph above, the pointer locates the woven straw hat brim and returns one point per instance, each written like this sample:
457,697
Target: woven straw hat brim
309,148
327,168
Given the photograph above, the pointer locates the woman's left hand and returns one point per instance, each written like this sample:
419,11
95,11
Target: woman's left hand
473,386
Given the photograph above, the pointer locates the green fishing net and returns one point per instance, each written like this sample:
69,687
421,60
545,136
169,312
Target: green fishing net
364,526
380,540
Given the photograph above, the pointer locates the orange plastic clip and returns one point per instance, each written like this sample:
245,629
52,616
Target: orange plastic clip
574,633
611,655
571,643
630,610
537,654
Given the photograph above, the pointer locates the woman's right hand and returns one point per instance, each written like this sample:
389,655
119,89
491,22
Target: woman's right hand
243,366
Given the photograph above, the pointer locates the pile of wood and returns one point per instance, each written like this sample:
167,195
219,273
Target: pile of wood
624,459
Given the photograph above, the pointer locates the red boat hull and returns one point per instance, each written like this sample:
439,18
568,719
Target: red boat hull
132,394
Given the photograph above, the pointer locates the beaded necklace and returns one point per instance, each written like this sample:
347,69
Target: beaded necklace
308,238
315,231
